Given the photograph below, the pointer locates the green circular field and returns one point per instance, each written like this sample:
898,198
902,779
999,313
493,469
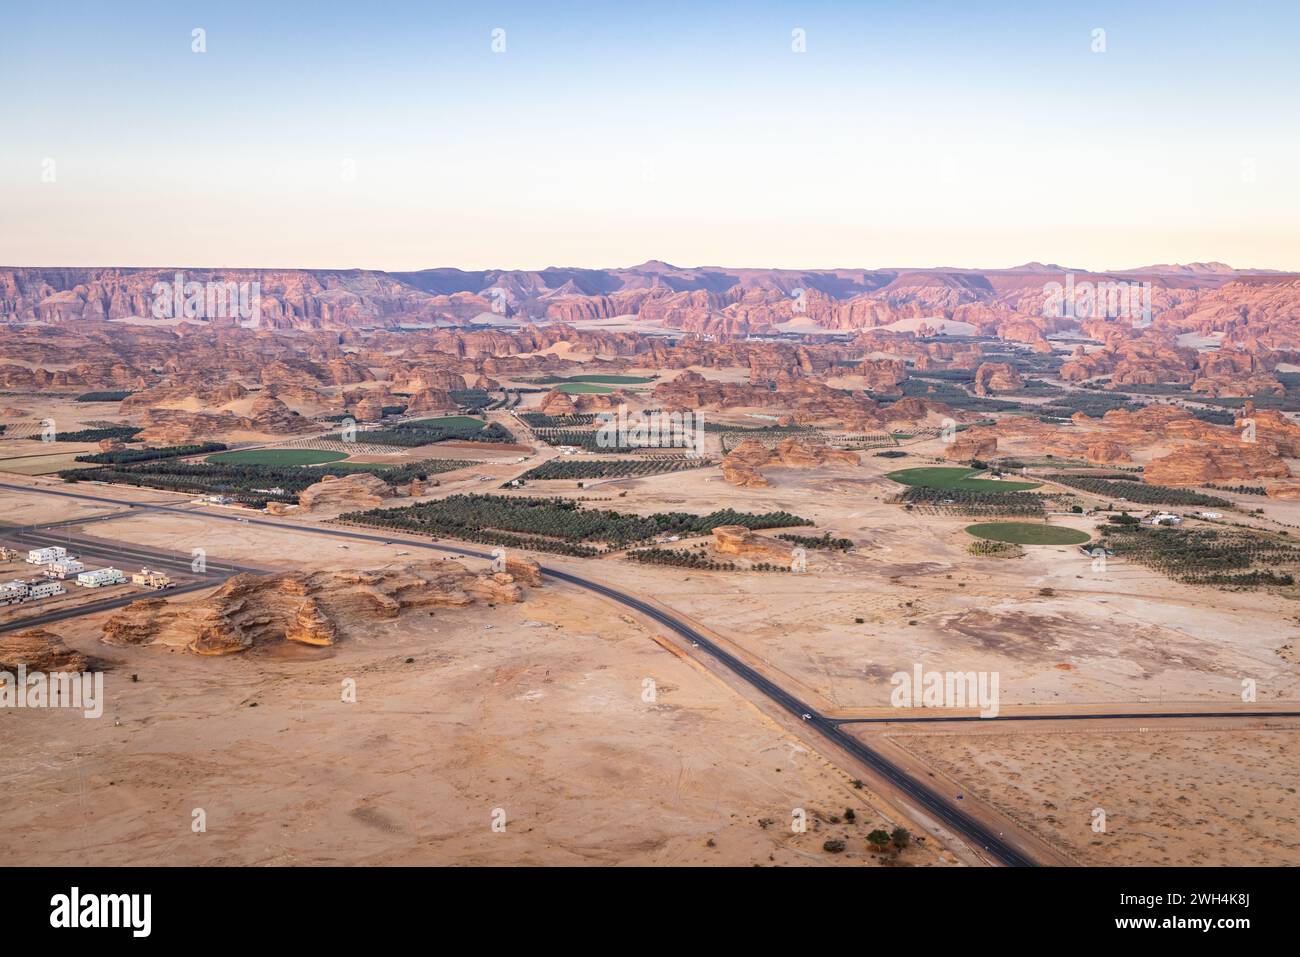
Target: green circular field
1027,533
582,388
956,478
451,422
276,457
612,379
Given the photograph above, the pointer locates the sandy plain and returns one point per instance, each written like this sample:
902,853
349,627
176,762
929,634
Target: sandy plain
541,713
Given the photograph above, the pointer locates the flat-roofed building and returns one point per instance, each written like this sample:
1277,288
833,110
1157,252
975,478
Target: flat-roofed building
101,577
45,589
43,556
64,568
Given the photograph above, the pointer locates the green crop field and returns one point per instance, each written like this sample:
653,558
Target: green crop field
449,422
573,388
1027,533
612,379
956,479
276,457
596,377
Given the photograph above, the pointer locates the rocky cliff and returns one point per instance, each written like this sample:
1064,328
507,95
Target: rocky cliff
317,608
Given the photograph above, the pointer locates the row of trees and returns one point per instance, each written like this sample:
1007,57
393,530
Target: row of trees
412,434
472,399
963,502
1239,489
823,540
1207,556
684,558
539,420
116,396
243,481
587,439
126,433
1140,492
879,839
131,456
613,468
486,517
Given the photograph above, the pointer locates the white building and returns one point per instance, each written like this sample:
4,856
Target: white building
1165,518
13,592
46,589
64,568
43,556
101,577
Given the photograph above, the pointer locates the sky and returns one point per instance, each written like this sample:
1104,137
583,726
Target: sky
407,135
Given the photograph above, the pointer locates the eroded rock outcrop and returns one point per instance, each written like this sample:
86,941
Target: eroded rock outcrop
971,445
739,541
356,490
38,650
741,466
992,377
1198,464
316,608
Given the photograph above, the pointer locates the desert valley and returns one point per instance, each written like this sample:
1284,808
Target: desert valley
653,565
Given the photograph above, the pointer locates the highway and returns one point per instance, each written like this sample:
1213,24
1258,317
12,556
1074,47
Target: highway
1096,716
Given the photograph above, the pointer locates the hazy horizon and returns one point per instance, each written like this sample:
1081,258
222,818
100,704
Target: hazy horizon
392,136
722,267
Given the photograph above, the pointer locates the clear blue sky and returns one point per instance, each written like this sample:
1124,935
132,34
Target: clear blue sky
391,135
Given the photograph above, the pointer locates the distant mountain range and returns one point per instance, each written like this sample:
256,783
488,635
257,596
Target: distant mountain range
704,299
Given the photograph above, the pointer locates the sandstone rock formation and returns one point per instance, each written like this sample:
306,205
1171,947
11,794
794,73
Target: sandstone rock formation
39,650
1197,464
993,377
523,570
1285,491
970,445
741,466
805,401
741,542
316,608
354,490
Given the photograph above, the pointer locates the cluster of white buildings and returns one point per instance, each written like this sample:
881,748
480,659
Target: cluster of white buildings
57,565
14,592
1163,518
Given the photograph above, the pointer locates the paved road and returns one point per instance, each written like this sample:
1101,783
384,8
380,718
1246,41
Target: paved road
1105,716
